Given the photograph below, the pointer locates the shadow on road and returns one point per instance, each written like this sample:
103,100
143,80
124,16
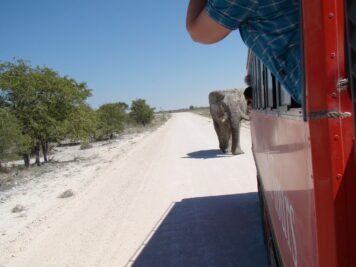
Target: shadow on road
207,154
207,231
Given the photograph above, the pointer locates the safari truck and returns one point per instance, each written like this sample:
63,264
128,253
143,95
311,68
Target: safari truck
305,154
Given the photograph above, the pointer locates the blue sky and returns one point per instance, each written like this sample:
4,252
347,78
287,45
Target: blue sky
124,50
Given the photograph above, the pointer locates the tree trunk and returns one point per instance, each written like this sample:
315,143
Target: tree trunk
45,151
26,159
37,153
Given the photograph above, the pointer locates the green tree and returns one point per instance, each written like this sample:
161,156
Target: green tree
12,141
141,112
124,106
41,100
110,119
80,124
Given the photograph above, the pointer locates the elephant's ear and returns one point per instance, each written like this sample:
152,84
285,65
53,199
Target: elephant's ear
216,97
225,111
225,117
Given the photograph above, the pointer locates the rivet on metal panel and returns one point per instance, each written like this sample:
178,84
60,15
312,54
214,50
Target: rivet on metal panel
338,176
332,55
331,15
336,137
334,95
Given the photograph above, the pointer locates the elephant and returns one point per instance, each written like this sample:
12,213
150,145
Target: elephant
228,108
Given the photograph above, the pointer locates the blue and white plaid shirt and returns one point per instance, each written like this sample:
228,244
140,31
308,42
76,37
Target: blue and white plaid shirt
270,28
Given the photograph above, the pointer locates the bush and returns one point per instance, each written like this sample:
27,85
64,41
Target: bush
110,119
141,113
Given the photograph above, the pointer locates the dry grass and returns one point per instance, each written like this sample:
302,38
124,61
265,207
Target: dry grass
159,119
17,175
204,111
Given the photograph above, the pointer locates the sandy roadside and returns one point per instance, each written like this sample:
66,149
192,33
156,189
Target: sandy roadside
38,190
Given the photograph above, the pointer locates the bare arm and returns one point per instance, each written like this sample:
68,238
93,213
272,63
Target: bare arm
201,27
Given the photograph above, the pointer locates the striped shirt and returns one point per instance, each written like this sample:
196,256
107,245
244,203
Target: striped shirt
270,28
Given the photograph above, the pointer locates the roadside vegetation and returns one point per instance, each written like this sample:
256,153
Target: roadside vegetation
40,109
203,111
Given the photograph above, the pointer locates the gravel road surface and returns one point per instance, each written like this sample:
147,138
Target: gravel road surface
173,200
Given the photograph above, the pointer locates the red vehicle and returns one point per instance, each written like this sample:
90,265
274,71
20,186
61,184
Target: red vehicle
305,155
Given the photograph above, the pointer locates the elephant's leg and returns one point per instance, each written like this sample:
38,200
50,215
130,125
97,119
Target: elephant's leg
225,144
229,144
235,147
219,133
225,136
223,132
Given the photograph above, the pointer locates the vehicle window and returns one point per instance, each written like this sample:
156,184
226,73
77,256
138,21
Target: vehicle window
284,97
267,92
271,89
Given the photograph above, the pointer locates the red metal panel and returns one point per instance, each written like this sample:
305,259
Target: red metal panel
314,51
282,151
331,138
322,173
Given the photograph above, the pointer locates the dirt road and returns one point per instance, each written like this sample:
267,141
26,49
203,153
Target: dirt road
173,200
